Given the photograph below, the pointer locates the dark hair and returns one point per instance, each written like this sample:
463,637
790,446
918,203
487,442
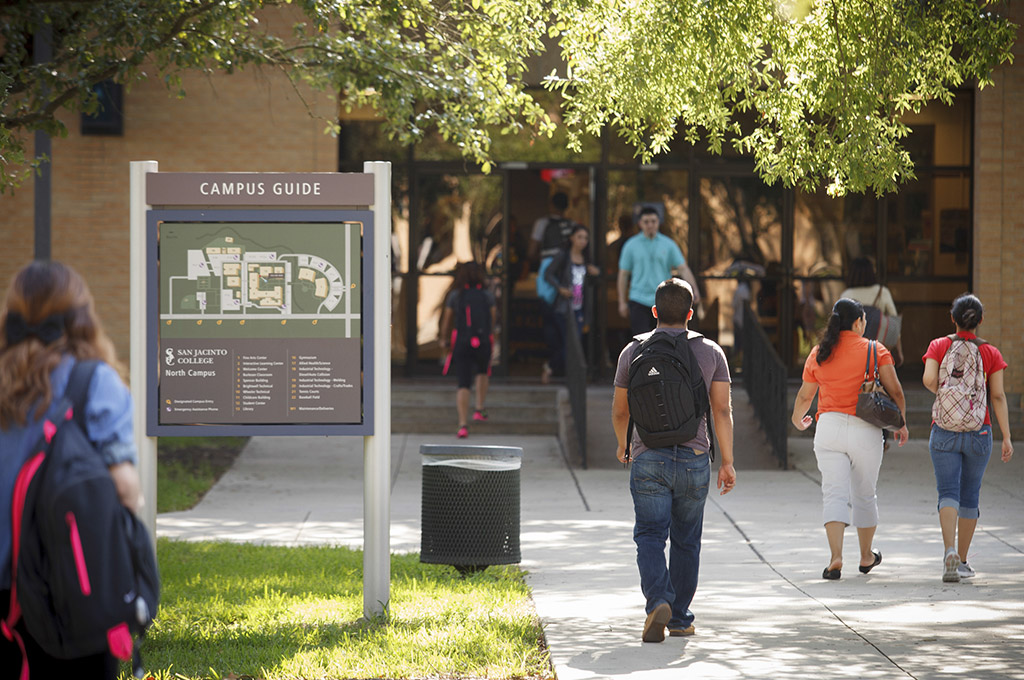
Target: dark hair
649,210
673,299
578,227
862,273
560,200
468,275
844,313
967,311
42,290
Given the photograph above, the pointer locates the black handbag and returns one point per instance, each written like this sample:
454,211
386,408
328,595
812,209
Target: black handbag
874,405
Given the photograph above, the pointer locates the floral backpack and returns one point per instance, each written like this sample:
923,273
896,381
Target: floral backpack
961,399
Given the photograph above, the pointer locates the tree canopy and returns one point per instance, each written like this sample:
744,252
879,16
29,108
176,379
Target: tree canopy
813,90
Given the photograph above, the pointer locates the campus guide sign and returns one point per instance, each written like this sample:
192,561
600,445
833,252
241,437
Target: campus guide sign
260,318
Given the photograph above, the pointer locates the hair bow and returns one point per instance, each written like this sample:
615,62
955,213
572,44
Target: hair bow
48,330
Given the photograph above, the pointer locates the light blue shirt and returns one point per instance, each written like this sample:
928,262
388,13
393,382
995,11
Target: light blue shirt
108,424
649,261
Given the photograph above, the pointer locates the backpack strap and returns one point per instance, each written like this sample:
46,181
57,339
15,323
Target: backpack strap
690,335
77,390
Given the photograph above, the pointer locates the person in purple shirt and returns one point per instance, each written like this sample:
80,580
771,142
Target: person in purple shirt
47,323
670,485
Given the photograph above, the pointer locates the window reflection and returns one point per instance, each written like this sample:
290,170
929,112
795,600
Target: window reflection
459,221
740,255
667,190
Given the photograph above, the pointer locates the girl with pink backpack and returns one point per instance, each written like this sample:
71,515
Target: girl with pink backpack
964,372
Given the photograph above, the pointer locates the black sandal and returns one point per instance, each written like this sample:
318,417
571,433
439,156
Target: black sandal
832,574
878,560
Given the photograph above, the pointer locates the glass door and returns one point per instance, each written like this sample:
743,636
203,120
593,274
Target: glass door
740,245
455,218
529,193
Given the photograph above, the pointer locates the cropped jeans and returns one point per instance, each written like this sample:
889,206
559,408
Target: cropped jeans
669,487
960,459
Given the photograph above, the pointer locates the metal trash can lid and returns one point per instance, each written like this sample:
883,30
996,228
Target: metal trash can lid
474,457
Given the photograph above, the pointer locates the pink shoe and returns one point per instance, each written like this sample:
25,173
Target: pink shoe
480,415
463,432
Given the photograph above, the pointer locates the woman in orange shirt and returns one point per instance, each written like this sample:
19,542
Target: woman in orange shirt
848,449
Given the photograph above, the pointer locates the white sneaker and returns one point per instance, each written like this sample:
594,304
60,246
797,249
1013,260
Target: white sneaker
965,570
951,564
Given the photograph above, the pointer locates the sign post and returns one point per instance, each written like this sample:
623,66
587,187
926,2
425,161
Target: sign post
377,447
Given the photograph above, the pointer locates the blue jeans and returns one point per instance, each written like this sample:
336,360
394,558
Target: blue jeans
669,487
960,459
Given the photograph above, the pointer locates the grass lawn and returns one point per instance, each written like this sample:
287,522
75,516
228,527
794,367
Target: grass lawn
188,466
237,611
273,612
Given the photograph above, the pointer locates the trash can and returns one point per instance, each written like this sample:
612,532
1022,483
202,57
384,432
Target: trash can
470,505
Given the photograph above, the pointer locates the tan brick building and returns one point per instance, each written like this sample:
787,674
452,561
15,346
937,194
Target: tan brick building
256,121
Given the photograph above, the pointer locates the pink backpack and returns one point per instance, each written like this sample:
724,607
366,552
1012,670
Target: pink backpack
962,396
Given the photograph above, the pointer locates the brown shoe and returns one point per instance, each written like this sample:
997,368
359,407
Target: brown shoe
654,626
681,632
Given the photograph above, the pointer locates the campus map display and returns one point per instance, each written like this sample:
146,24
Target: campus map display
260,322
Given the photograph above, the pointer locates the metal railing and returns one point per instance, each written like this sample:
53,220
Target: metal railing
764,376
576,383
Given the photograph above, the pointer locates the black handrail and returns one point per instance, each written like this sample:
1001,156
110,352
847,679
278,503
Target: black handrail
764,376
576,382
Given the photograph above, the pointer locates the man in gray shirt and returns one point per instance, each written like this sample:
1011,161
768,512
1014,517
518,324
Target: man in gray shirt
670,485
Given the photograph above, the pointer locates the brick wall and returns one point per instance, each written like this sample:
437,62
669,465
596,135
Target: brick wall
249,121
998,215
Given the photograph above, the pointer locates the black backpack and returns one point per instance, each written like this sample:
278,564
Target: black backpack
667,395
84,576
556,233
472,318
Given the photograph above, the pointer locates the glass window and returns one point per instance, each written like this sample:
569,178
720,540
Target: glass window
940,134
929,226
740,253
361,140
458,215
628,190
829,232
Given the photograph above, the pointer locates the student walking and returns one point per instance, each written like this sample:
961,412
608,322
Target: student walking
647,259
962,369
848,449
467,328
47,324
568,274
669,482
550,236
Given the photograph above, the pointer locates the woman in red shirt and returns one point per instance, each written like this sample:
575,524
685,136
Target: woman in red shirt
960,457
848,449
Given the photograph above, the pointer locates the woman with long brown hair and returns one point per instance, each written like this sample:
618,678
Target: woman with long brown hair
47,324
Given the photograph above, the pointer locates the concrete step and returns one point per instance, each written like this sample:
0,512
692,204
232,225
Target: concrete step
429,408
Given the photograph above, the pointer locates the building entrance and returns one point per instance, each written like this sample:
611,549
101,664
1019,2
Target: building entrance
456,217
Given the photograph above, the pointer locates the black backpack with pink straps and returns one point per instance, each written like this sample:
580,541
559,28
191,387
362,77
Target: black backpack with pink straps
84,576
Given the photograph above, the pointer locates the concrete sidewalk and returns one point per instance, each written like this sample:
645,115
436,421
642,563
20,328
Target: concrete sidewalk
762,609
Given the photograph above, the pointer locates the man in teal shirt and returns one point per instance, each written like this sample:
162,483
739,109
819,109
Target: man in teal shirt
647,259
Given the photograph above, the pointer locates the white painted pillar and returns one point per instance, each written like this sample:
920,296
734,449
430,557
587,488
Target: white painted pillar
377,447
146,446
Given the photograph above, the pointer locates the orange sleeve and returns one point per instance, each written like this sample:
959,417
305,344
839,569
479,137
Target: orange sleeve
809,365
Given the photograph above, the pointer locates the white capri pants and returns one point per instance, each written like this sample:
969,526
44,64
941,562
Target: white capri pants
849,453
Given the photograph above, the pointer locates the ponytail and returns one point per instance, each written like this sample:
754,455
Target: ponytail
967,312
844,314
